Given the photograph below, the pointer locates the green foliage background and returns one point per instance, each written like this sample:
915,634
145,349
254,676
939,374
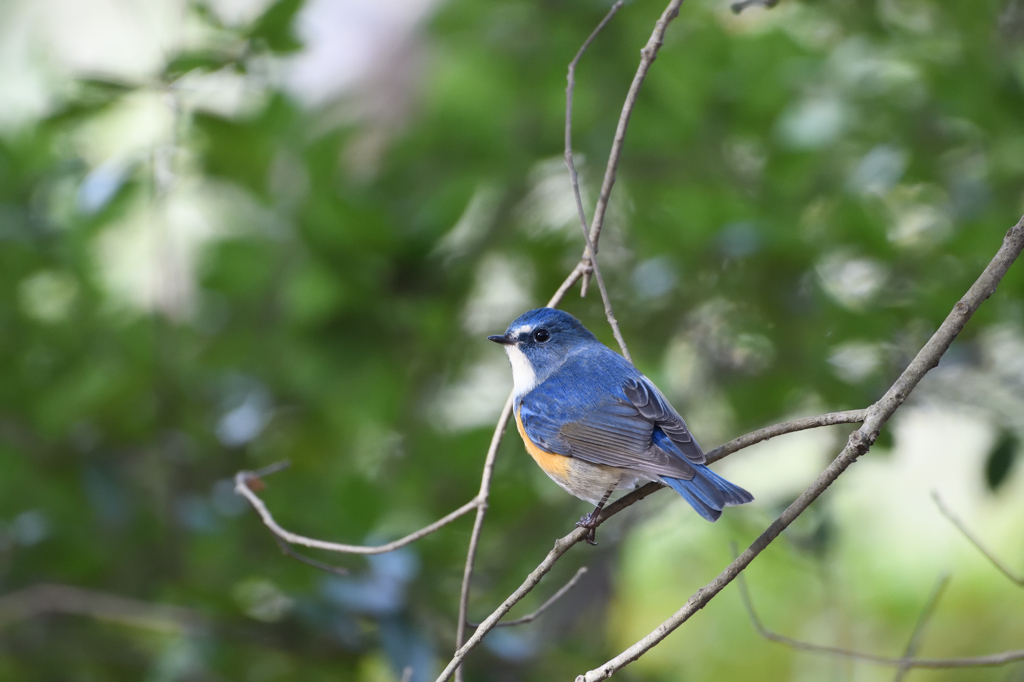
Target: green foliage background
822,176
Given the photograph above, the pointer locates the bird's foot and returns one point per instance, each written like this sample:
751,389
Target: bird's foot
589,521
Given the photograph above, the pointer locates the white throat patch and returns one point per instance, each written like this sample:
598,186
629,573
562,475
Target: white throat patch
523,376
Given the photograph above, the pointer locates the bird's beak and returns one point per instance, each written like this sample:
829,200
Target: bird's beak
503,339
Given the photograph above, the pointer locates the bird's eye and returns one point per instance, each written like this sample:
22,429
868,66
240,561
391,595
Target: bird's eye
541,335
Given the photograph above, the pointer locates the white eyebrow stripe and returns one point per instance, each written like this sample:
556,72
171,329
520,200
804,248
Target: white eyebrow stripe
520,329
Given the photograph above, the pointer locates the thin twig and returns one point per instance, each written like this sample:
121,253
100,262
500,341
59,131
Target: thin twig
968,662
271,469
973,539
561,547
647,57
591,252
529,618
922,622
242,479
478,523
769,432
574,276
309,561
738,7
608,313
860,441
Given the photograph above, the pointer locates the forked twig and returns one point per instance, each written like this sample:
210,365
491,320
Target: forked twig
769,432
530,617
647,57
922,623
591,252
561,547
244,486
903,663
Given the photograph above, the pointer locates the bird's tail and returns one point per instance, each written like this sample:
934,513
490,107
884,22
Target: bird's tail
707,492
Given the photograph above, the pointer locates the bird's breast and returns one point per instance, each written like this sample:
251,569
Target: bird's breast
580,479
554,465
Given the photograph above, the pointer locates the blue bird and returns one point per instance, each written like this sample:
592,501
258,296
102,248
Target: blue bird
595,424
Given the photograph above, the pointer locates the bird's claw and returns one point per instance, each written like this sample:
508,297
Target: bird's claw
589,521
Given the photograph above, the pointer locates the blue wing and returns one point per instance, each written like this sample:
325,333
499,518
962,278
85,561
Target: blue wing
606,412
603,411
653,406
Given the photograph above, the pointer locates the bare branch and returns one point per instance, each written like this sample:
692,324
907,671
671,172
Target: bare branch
608,312
561,547
647,56
738,7
47,598
860,441
922,622
902,663
591,253
769,432
242,487
529,618
755,437
270,469
573,277
973,539
478,523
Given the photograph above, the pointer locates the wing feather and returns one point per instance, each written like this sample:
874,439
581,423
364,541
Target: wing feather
618,432
650,403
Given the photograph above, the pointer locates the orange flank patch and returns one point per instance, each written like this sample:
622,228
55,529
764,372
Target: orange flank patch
554,465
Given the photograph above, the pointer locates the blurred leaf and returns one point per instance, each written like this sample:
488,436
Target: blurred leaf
804,193
185,62
885,440
1000,460
275,27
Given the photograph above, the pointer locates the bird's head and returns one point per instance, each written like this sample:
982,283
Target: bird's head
538,342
